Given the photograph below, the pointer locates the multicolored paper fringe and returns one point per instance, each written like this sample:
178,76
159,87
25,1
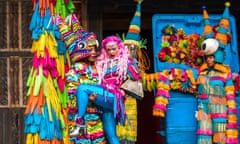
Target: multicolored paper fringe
163,82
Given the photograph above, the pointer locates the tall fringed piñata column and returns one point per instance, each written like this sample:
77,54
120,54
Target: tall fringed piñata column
217,113
134,43
80,72
64,9
47,94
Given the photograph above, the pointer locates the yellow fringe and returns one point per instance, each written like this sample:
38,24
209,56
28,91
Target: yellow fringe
162,85
161,100
229,88
52,98
32,138
129,131
191,77
231,104
232,118
232,133
149,87
222,68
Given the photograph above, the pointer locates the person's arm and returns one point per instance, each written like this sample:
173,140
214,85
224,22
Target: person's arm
232,131
133,86
133,71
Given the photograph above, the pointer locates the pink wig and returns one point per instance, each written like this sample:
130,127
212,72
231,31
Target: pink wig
122,57
114,39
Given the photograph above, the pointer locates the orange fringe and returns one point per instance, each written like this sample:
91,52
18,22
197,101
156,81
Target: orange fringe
218,100
219,137
34,101
54,141
201,115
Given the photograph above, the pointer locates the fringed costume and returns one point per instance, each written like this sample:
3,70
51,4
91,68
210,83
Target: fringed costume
81,72
216,106
217,113
128,133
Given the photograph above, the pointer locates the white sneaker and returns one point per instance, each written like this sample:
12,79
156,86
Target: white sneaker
78,130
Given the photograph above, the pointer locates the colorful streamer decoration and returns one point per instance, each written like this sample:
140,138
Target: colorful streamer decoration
47,93
169,79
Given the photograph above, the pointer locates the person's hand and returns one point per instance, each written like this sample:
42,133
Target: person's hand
93,96
62,38
123,95
123,92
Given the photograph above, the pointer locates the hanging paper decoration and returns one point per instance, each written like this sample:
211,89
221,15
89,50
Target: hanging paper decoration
162,94
44,121
169,79
64,7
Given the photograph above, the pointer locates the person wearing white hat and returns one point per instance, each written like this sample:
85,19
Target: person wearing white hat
216,114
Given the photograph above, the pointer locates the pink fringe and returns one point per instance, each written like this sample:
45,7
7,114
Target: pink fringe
232,141
232,125
160,106
218,78
162,93
204,132
203,96
232,110
71,91
35,62
162,78
61,84
230,96
219,115
95,135
185,76
45,72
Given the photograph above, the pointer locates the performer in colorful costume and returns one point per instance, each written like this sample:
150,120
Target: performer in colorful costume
216,115
128,133
113,66
134,42
82,47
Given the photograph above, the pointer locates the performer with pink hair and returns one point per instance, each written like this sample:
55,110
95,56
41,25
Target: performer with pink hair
114,66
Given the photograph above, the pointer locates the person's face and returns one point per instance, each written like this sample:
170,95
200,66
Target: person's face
112,49
210,60
132,50
93,53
